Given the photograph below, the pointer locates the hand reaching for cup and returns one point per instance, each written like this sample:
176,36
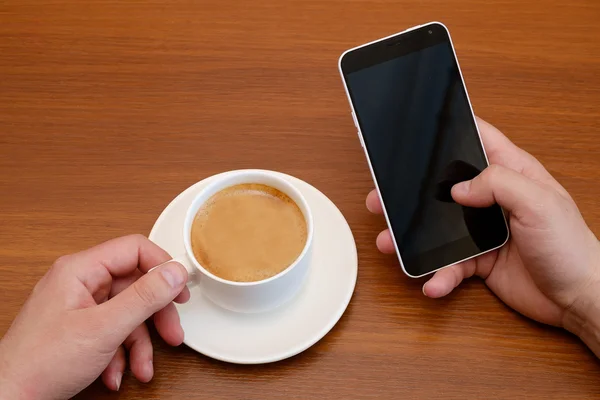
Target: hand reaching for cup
85,313
550,268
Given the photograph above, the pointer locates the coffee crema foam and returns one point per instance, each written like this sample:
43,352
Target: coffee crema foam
248,232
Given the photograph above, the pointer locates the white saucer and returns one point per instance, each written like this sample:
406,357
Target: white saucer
289,329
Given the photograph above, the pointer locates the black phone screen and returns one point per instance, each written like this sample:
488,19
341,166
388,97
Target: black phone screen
421,138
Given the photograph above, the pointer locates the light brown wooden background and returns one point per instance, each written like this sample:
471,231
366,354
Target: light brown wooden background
108,109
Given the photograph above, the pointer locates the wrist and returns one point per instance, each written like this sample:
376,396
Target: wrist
10,386
9,389
583,317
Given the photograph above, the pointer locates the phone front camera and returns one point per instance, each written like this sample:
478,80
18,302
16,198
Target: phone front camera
430,31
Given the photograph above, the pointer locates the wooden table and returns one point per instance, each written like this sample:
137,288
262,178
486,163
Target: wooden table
110,109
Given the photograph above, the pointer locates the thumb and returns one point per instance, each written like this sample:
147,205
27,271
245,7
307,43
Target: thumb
149,294
513,191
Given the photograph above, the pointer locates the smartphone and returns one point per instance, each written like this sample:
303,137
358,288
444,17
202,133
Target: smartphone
417,127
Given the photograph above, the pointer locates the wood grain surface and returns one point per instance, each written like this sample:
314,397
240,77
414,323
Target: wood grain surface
109,109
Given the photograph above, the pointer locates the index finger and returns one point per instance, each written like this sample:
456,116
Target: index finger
500,150
96,266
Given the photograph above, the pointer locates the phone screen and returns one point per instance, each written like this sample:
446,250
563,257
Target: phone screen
421,139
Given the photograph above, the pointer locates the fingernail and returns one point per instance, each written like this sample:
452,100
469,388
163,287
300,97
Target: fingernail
463,187
149,369
173,275
423,290
118,380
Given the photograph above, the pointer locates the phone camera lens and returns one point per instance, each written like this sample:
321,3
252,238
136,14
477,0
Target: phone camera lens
430,31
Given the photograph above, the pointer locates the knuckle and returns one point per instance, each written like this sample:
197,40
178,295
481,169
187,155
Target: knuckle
144,293
492,172
459,275
491,176
137,237
39,286
136,240
62,262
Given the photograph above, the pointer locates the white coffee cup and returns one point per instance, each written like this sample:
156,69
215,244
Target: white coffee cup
247,297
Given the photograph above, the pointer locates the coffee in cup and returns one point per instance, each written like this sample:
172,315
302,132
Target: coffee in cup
248,232
264,288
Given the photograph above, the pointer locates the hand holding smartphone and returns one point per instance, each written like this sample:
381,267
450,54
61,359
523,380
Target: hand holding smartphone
416,125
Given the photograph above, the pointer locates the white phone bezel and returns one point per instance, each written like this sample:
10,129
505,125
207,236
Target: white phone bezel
360,136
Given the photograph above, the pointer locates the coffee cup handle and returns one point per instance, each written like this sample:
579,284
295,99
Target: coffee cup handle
184,260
